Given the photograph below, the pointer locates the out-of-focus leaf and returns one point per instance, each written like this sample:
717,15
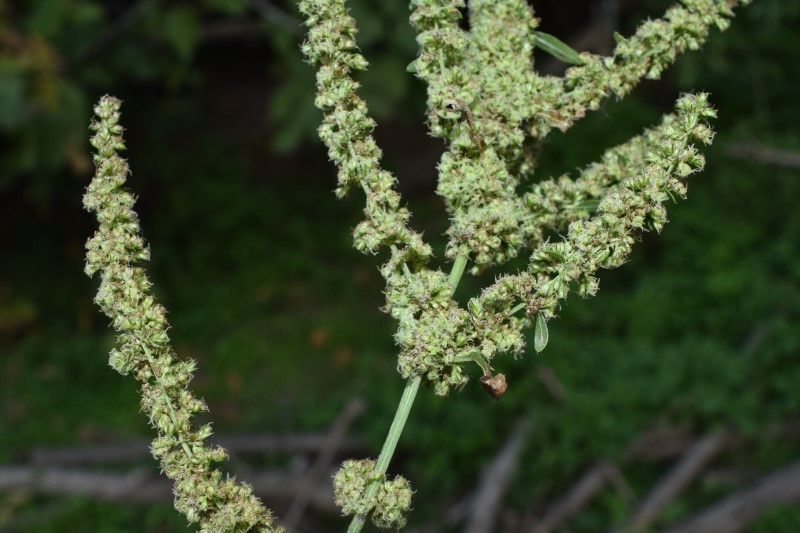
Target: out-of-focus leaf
586,205
12,95
181,30
292,108
371,26
229,7
385,85
16,315
48,18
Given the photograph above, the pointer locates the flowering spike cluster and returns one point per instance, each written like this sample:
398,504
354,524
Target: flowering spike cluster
347,131
414,294
555,203
443,48
474,180
388,507
651,50
636,203
500,60
201,493
483,92
490,107
482,95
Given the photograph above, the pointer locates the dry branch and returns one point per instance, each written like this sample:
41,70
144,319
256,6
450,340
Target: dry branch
576,497
655,444
734,513
617,479
494,481
765,154
142,486
660,443
551,383
240,444
333,441
690,465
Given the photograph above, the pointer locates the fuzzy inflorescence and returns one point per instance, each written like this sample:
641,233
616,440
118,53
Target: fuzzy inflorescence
217,504
635,203
390,504
488,104
492,110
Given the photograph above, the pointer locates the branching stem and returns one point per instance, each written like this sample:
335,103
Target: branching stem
401,415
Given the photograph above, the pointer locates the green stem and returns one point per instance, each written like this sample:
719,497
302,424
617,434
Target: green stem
518,308
399,422
164,393
401,415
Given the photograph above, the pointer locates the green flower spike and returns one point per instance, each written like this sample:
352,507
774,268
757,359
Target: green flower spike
216,504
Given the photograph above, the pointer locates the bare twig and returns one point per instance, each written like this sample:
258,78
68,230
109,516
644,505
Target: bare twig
617,479
576,497
550,380
242,444
659,443
765,154
141,486
655,444
734,513
323,461
690,465
494,481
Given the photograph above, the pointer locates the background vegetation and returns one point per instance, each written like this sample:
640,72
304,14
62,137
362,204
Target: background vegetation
252,256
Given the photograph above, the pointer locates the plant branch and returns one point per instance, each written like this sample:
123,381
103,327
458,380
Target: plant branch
734,513
399,422
587,486
695,459
764,154
143,486
317,471
494,481
401,415
239,444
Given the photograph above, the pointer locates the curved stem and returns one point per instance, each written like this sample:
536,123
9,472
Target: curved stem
401,415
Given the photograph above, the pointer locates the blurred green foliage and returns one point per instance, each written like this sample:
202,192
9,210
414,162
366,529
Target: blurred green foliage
57,57
698,331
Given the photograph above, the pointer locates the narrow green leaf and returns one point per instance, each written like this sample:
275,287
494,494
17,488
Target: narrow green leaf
181,29
557,48
481,361
555,255
585,205
540,335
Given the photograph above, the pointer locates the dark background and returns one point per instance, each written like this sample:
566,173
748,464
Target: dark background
252,257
